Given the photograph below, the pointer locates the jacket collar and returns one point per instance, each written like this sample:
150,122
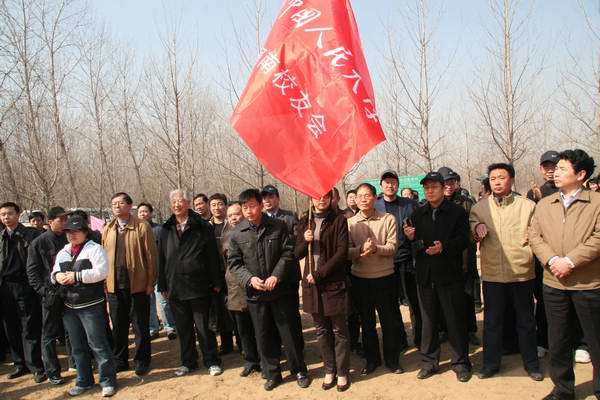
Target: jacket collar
583,196
20,230
131,224
427,209
375,216
193,219
506,200
266,221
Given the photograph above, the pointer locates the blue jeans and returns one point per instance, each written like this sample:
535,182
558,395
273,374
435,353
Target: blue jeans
87,330
164,310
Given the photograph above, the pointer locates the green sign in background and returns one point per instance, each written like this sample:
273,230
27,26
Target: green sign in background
408,181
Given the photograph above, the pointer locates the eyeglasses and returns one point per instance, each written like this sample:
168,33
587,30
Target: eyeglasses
364,196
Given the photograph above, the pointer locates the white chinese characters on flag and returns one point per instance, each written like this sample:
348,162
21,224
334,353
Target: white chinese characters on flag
308,111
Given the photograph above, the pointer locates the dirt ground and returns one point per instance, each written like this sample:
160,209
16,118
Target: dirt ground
511,383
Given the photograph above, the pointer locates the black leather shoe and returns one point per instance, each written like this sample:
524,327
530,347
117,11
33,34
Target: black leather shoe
426,373
302,379
536,375
330,385
18,372
271,384
39,377
343,388
487,373
464,375
248,369
367,370
142,369
396,370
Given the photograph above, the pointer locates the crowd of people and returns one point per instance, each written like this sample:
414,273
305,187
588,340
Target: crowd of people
218,270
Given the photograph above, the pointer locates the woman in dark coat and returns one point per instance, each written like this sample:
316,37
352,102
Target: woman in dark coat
325,291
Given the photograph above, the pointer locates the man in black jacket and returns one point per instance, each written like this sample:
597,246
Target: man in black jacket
189,269
40,261
20,305
440,234
260,256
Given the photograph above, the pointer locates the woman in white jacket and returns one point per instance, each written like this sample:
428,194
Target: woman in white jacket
81,268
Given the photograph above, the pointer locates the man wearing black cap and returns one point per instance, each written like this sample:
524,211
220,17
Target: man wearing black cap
548,162
40,261
401,208
453,192
439,232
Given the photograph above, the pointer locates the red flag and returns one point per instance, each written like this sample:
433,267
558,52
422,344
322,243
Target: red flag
308,110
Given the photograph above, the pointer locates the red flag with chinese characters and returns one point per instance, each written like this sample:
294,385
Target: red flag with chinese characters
308,110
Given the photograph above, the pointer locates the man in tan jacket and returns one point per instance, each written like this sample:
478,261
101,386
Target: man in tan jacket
565,237
132,257
499,223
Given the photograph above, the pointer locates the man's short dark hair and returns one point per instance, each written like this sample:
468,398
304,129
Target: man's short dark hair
200,196
127,198
486,185
349,192
147,205
250,194
415,195
218,196
10,204
368,186
37,214
233,203
507,167
580,160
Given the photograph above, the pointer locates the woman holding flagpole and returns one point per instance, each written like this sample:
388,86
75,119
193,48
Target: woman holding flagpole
325,294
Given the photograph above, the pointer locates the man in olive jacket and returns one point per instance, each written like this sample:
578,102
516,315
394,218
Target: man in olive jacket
565,237
260,255
499,223
131,249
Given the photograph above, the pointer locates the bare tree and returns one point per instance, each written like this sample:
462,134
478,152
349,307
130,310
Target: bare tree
504,98
412,91
580,90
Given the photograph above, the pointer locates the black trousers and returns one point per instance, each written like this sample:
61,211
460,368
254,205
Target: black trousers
127,309
191,318
541,322
409,283
274,318
22,314
381,295
519,296
245,329
334,343
560,305
444,302
52,329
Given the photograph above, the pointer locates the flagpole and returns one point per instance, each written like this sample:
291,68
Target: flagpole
309,259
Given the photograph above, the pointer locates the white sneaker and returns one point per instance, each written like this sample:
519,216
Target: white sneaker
108,391
541,352
215,370
582,356
77,390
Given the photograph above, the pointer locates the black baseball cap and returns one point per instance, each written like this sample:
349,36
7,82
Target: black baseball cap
550,156
433,176
269,189
389,173
448,174
56,212
76,223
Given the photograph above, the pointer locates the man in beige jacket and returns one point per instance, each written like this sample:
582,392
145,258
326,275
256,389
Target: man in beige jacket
499,223
373,242
565,237
132,260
